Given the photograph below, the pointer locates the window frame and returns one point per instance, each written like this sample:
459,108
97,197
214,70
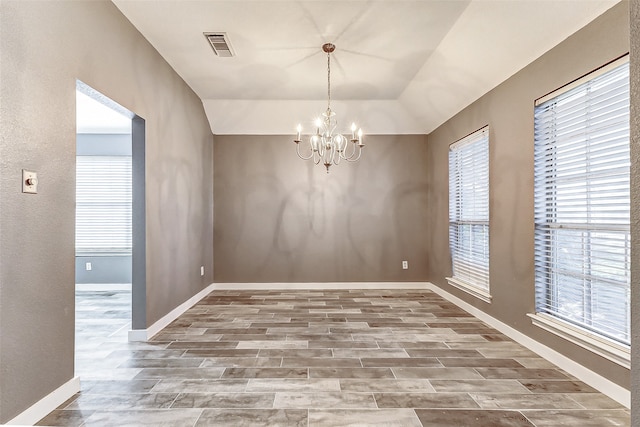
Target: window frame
591,338
465,212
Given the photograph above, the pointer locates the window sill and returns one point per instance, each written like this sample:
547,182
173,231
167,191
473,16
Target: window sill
470,289
102,254
610,350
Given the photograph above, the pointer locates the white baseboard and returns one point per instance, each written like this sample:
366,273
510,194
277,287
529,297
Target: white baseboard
103,287
146,334
138,335
44,406
319,285
597,381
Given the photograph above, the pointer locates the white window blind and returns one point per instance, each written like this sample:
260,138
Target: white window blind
103,205
469,209
582,215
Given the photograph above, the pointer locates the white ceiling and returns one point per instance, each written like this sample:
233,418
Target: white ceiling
93,116
400,66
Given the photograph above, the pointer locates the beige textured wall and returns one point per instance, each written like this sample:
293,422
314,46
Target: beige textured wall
508,110
44,47
280,219
635,210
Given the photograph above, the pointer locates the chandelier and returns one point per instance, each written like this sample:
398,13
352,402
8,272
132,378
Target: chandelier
325,145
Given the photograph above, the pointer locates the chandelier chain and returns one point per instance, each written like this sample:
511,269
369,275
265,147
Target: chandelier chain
329,80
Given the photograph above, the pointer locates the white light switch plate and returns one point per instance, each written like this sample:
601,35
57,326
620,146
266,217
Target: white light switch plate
29,182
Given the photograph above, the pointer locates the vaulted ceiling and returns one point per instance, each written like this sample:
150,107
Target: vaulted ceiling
400,66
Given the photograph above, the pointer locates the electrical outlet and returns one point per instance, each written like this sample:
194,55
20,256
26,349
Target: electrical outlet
405,265
87,266
202,270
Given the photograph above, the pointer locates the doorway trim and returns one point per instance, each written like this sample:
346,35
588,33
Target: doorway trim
139,235
139,229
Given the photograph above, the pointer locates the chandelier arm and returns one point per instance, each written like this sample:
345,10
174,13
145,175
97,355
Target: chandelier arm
353,152
351,159
321,148
301,156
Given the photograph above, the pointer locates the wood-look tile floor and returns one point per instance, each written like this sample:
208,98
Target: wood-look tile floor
329,358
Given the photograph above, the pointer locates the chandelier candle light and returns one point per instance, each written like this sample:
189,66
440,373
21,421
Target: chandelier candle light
325,145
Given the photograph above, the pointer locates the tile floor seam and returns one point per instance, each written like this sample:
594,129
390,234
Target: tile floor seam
174,399
195,422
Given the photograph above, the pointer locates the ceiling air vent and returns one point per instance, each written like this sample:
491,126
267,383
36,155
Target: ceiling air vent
219,44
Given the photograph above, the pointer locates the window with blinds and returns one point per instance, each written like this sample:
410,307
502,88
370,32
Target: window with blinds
103,205
469,212
582,195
